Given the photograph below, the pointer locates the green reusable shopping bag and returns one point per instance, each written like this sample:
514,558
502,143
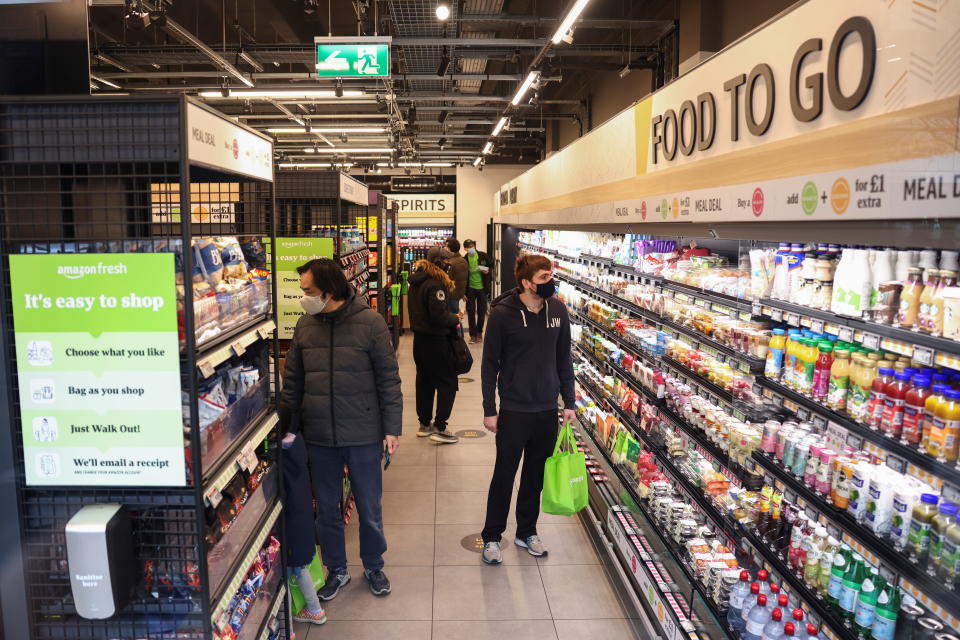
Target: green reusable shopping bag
565,489
316,572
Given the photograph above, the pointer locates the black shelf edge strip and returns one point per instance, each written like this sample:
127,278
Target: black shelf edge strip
611,298
858,324
713,388
615,337
755,364
741,304
913,456
880,547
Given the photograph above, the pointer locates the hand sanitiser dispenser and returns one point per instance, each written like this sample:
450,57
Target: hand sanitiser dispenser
101,560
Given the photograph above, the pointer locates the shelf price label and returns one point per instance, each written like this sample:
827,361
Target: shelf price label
776,315
870,340
950,492
238,348
756,309
819,422
816,325
845,334
896,463
793,319
803,414
206,368
923,355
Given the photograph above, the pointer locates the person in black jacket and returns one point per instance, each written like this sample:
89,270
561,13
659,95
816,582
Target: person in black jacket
432,321
478,288
526,357
341,390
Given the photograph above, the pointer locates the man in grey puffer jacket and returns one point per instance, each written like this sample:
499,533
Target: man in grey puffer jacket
341,390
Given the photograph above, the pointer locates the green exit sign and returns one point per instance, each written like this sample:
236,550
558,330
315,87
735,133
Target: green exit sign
353,57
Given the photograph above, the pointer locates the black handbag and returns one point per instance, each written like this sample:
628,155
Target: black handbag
460,352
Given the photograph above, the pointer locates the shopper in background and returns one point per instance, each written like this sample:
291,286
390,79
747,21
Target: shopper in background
478,288
458,271
341,390
526,358
432,321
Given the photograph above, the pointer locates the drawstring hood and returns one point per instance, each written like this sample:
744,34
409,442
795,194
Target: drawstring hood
524,317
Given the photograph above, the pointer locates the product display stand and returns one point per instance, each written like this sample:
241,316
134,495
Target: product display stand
154,212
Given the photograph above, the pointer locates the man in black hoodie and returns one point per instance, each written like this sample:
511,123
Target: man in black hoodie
526,358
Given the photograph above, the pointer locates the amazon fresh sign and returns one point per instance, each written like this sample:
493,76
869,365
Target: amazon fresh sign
353,57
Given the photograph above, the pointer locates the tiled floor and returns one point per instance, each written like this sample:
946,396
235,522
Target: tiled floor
434,503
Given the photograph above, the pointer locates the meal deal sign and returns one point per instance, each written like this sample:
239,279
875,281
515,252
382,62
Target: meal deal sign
292,253
99,369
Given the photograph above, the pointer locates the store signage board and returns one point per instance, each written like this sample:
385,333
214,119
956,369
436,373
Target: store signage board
217,143
352,190
723,107
421,205
291,253
339,57
98,361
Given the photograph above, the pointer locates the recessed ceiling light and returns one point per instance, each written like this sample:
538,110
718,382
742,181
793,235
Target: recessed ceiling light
443,11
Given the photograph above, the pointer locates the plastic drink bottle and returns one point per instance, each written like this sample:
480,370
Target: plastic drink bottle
738,593
867,603
812,633
850,588
885,614
826,564
891,422
773,630
841,560
774,364
839,383
929,411
913,405
943,439
878,394
759,616
821,373
749,602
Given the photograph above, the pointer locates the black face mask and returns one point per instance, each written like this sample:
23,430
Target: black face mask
547,289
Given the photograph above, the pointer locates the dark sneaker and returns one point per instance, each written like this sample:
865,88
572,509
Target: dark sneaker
444,438
425,430
379,585
334,582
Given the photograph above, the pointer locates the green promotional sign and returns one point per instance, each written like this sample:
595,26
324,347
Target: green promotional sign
290,254
357,58
99,369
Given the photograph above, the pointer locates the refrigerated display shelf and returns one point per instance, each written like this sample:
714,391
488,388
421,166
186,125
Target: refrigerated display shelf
713,297
643,556
898,453
711,387
713,452
735,532
891,561
717,349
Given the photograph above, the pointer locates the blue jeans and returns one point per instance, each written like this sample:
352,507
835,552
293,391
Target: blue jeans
366,482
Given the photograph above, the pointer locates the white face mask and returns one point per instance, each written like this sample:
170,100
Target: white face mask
313,304
471,250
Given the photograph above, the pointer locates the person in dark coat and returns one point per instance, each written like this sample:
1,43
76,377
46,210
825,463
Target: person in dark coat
341,390
298,525
432,321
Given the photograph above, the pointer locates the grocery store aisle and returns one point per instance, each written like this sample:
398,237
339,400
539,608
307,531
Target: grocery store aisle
433,507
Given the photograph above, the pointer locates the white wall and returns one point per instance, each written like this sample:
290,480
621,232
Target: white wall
475,191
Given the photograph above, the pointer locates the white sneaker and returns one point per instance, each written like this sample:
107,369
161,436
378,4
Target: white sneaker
533,545
492,553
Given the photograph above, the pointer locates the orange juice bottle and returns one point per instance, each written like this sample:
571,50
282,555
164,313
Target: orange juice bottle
946,425
929,412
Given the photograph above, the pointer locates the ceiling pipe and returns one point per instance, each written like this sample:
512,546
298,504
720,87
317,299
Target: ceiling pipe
306,77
